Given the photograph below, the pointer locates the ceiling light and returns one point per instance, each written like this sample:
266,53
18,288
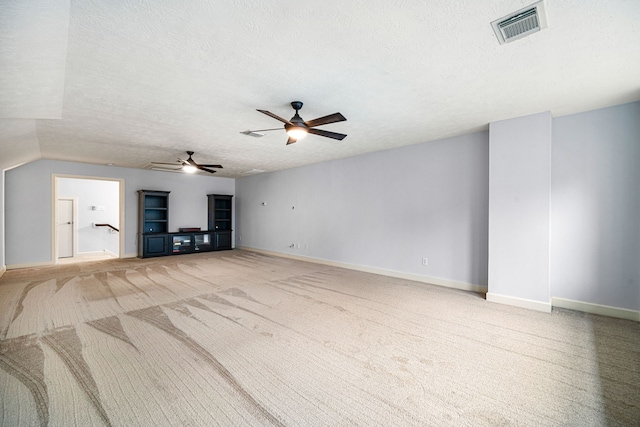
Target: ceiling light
189,168
297,132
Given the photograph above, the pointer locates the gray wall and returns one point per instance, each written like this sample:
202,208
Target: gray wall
595,207
28,203
385,210
519,180
90,193
389,209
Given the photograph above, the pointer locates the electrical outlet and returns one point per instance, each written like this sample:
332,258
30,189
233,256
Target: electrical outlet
425,261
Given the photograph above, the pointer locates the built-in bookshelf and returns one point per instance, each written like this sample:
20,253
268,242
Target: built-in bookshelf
155,238
219,219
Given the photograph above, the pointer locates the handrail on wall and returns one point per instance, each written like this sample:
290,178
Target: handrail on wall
107,225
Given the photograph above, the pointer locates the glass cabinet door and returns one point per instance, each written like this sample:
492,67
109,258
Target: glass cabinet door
202,242
181,243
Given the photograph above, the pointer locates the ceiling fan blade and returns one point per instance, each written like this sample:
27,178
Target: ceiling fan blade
291,140
211,166
270,114
331,118
327,134
262,130
206,169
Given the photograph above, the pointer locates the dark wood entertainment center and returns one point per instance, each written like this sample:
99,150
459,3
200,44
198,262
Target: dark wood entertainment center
154,238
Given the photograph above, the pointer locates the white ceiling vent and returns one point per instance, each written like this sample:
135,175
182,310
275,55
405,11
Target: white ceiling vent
521,23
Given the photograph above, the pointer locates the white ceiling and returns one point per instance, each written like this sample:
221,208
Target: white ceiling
129,82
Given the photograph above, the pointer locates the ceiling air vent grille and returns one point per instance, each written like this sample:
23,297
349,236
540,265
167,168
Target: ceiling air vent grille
521,23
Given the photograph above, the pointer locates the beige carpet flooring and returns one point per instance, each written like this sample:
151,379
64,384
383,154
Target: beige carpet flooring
238,338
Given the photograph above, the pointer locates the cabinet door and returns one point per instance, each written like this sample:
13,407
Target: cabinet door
181,243
222,240
155,245
202,242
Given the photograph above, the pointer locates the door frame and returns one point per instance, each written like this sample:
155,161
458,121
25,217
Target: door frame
54,211
74,229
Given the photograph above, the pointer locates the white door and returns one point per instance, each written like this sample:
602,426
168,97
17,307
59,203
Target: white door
65,228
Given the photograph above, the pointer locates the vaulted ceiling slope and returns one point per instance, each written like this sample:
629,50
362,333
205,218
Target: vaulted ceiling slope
129,82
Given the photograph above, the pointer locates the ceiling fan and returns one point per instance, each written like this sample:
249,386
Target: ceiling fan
297,128
189,165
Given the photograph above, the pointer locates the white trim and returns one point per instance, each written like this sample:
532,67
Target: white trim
604,310
111,254
74,210
90,254
134,255
121,218
390,273
30,265
3,191
519,302
54,220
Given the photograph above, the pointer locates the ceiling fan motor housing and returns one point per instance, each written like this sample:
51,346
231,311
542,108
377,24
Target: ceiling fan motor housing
296,120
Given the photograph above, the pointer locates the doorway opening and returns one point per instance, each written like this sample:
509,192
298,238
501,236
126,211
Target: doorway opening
88,218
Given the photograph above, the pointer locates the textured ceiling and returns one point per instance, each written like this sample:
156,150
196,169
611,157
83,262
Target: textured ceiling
129,82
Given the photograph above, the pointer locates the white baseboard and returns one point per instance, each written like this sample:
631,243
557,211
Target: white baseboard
604,310
90,254
133,255
519,302
3,270
30,265
390,273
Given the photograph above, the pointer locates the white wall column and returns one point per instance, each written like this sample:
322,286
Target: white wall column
519,204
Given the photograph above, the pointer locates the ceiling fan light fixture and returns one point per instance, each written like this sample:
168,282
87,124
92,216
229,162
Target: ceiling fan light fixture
297,128
189,168
297,132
